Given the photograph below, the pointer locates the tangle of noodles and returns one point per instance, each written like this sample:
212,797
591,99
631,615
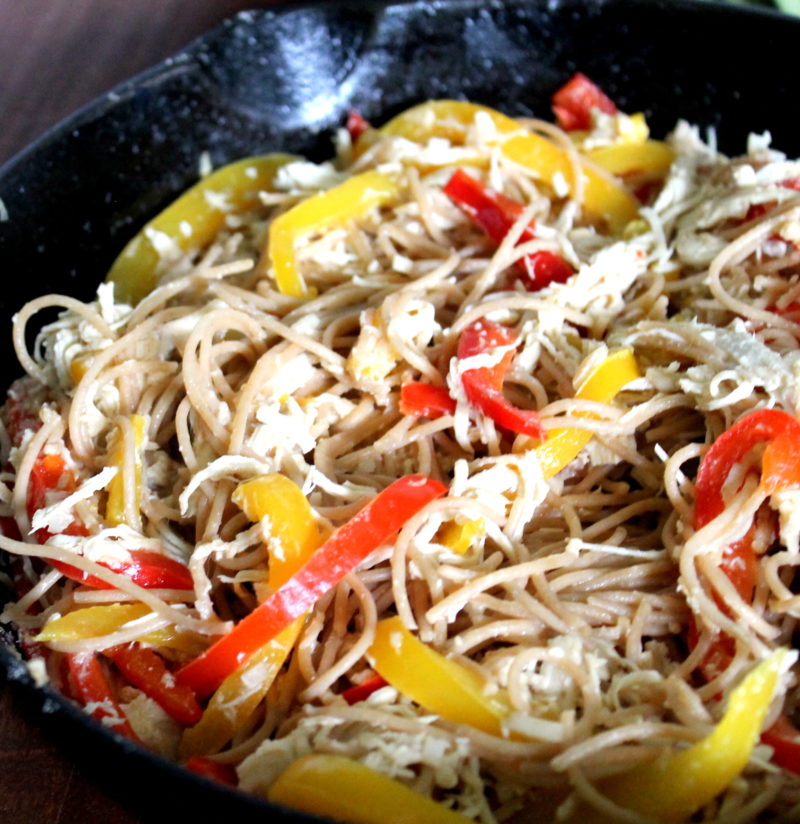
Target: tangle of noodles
573,595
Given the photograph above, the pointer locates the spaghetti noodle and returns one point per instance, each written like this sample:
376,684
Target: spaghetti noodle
384,472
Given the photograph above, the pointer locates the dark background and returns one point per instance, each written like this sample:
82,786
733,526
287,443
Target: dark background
56,56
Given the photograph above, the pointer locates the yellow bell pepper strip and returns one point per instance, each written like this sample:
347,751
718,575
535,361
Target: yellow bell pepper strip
79,365
91,622
677,784
292,525
458,537
351,199
344,789
603,197
291,522
563,445
651,157
98,621
376,524
191,221
238,696
115,507
434,682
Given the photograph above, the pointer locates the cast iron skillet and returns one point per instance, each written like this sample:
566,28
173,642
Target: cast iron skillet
283,80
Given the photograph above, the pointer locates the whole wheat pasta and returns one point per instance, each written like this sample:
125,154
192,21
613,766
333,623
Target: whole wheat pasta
602,389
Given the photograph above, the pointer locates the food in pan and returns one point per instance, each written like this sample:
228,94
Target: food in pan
458,476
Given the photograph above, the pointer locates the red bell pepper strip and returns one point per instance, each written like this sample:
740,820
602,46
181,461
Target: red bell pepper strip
88,684
792,309
493,211
543,268
780,469
758,210
150,570
48,474
349,545
496,213
145,669
484,385
778,429
147,569
784,738
356,124
362,691
574,101
9,528
208,768
422,400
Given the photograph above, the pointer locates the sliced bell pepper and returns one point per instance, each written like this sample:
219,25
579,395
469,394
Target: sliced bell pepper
784,738
780,469
458,537
563,445
147,569
343,789
674,786
356,124
91,622
362,691
348,546
730,448
147,671
292,525
740,564
115,506
87,684
351,199
237,697
423,400
574,102
291,522
208,768
192,221
434,682
496,214
144,567
603,198
651,157
102,620
484,386
49,473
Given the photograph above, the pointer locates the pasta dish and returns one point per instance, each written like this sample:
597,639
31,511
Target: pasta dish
457,476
